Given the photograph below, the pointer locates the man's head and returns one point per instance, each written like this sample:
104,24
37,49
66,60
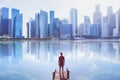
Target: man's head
61,53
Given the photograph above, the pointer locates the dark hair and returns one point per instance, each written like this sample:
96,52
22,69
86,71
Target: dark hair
61,53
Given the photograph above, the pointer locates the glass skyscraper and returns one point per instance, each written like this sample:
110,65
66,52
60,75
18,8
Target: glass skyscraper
32,27
43,24
4,12
87,25
27,29
66,31
51,23
73,19
97,18
105,28
56,27
116,32
110,20
94,30
14,13
37,17
16,25
0,23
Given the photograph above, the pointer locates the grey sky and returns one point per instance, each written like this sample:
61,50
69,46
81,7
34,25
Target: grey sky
61,7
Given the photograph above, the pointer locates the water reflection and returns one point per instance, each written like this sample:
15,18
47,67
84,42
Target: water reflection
82,58
11,51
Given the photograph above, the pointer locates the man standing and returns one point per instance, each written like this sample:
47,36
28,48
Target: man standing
61,62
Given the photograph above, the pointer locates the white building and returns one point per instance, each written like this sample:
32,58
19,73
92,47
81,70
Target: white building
116,32
73,19
105,28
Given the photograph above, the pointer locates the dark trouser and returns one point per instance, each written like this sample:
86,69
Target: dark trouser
61,67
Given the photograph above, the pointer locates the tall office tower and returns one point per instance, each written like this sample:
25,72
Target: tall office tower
14,14
51,23
97,18
73,19
110,20
0,24
80,29
94,30
56,28
18,26
37,22
66,31
43,24
31,28
4,20
9,27
28,29
116,32
105,28
87,24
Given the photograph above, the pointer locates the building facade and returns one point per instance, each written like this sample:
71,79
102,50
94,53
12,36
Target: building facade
66,31
94,30
110,20
116,32
51,23
14,13
43,24
18,26
105,28
87,25
97,18
4,12
73,20
37,22
56,28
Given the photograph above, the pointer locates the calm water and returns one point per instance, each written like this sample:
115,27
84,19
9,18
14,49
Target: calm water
36,60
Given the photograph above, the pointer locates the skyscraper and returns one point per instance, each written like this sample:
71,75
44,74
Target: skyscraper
80,29
18,26
56,27
105,28
97,18
110,20
0,23
28,29
9,27
37,22
4,12
73,19
14,13
116,32
51,23
94,30
43,24
87,24
66,31
32,26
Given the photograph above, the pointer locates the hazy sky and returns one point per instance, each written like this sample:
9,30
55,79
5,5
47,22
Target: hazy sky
61,7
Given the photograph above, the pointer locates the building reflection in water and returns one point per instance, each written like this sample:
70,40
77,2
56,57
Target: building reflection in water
11,52
48,51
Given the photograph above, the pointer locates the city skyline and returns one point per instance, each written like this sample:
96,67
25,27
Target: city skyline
84,7
69,13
